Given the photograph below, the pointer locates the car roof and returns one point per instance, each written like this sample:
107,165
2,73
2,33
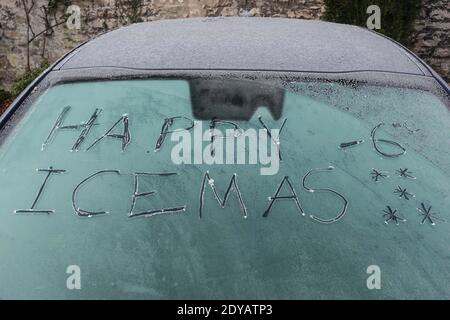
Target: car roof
244,43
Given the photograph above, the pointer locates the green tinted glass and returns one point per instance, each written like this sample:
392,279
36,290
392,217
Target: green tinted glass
388,147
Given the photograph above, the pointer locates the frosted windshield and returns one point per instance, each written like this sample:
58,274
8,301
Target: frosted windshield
362,173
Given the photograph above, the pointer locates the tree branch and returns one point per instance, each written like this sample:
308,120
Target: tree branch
46,29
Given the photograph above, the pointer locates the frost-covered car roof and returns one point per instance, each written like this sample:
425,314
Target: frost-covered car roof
238,43
240,47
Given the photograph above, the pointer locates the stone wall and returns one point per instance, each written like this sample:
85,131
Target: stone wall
431,40
432,35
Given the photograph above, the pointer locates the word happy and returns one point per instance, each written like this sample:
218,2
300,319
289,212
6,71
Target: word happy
235,141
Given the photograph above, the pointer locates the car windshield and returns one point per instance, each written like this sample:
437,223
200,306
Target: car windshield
212,188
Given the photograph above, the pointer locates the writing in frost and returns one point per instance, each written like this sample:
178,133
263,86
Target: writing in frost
178,127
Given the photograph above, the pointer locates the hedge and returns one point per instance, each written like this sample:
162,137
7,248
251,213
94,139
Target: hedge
397,17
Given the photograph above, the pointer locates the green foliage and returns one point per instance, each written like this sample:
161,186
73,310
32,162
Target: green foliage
397,17
130,10
54,4
4,95
25,79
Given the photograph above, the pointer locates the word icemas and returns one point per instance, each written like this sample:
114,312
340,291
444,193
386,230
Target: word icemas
285,190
